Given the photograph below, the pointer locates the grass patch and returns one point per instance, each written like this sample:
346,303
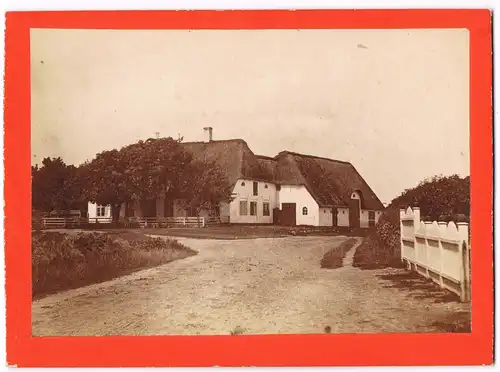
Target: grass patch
231,232
372,255
381,248
333,259
65,261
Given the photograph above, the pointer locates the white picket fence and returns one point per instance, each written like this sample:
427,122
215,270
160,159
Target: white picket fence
145,222
156,222
437,250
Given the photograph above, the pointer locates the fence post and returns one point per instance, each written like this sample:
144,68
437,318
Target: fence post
426,242
402,213
463,231
416,226
442,230
184,221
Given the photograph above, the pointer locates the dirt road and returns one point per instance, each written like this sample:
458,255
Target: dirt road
254,286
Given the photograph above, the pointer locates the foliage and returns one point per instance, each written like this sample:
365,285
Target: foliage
145,170
53,186
205,186
438,197
155,168
63,261
381,247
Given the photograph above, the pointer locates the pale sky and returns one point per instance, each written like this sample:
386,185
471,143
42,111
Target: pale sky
395,103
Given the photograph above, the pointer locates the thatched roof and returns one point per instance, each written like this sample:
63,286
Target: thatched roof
233,156
329,181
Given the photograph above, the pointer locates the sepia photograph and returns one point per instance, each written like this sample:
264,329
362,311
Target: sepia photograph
249,182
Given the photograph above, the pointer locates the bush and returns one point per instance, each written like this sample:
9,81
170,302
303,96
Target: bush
446,198
63,261
381,248
439,198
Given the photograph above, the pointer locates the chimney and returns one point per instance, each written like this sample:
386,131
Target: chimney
209,130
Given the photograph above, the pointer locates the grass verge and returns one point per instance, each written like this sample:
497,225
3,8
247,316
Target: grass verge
232,232
381,248
65,261
372,255
334,258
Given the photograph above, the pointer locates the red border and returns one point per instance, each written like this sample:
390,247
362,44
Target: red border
294,350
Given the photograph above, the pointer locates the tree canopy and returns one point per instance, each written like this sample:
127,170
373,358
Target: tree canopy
438,197
152,169
205,186
53,186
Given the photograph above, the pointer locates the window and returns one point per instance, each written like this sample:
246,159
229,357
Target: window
265,209
191,212
304,211
253,208
243,208
243,184
265,186
101,211
255,188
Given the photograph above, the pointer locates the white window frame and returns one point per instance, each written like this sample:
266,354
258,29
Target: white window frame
243,209
264,209
305,211
101,211
254,209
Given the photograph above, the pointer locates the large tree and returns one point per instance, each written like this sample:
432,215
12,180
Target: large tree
105,180
146,170
206,186
52,186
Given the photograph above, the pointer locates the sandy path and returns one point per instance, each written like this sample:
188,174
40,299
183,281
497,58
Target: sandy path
261,285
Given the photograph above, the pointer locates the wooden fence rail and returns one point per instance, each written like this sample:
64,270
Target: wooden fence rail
144,222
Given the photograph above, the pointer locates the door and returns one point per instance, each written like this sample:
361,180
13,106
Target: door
334,217
148,208
169,208
129,209
276,216
288,214
354,213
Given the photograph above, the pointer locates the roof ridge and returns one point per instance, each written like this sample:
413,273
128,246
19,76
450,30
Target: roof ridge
216,141
265,157
312,156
